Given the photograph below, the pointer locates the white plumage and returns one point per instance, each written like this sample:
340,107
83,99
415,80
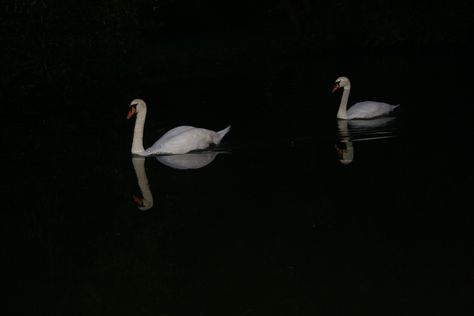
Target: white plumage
179,140
360,110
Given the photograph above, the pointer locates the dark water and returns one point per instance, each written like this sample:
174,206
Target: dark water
294,214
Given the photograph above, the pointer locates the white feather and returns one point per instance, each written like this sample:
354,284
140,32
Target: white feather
179,140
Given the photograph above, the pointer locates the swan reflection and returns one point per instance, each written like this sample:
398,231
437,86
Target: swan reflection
345,150
185,161
188,161
361,130
146,201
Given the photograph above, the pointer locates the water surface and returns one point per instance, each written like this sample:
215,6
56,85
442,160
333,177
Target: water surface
294,214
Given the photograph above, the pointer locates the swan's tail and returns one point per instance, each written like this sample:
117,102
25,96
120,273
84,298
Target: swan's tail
221,134
395,106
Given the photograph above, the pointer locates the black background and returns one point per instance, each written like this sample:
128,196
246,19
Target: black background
247,235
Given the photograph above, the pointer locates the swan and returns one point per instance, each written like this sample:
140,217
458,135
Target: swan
179,140
360,110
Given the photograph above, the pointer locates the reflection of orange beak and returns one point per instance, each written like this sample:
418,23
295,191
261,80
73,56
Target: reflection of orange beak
338,151
137,200
335,87
132,111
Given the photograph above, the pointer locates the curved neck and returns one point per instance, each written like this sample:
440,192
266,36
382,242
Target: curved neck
342,112
139,166
137,144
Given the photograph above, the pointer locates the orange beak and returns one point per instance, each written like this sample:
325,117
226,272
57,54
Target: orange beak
335,87
131,112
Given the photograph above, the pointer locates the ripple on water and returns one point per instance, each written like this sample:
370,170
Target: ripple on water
363,130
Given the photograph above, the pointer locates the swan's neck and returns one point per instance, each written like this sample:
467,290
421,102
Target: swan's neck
137,144
139,166
342,112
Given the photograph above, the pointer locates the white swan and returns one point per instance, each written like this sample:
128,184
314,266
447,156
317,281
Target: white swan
179,140
360,110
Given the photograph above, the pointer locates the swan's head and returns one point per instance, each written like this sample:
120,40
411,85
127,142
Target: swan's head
341,82
136,106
